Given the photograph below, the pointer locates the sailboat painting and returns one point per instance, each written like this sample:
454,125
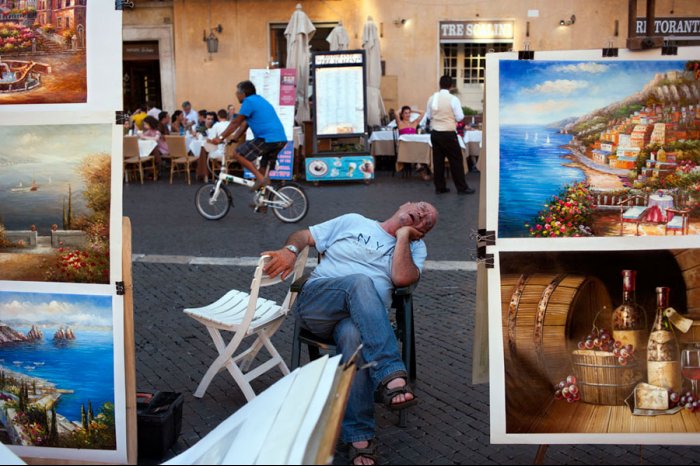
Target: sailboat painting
55,184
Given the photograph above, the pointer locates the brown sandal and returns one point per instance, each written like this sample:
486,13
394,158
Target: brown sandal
369,452
386,395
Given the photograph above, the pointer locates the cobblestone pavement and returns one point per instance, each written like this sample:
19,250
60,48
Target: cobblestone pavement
450,425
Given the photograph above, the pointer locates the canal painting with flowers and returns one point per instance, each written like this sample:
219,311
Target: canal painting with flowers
599,148
55,195
57,386
43,53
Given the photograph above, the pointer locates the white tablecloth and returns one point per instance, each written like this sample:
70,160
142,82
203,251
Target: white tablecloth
473,136
146,147
381,136
425,138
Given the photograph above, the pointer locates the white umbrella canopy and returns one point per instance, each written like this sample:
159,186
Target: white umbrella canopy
375,104
299,32
339,38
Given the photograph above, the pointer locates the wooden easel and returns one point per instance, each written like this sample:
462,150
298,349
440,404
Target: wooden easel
129,359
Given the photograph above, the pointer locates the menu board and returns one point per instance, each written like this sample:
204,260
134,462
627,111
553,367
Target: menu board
279,88
339,100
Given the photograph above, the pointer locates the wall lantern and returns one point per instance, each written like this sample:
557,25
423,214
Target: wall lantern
568,22
211,40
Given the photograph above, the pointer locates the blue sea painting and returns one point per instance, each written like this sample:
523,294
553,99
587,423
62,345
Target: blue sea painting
59,349
596,127
38,164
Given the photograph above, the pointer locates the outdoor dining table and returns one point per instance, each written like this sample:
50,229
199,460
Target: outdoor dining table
417,148
658,204
146,146
381,143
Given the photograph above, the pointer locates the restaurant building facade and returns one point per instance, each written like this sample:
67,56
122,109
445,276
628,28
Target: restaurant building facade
166,58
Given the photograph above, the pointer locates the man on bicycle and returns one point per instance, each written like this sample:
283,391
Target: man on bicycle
269,136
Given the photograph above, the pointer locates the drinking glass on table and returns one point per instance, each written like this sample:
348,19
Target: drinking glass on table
690,366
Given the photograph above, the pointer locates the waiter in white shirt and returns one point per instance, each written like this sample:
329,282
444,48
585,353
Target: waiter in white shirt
444,111
191,115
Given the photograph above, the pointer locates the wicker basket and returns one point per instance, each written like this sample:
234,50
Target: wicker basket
602,380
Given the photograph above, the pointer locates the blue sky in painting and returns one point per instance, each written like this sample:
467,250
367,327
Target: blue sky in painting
543,92
66,309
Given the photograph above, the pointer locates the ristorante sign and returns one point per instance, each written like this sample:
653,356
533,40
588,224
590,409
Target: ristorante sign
455,31
679,27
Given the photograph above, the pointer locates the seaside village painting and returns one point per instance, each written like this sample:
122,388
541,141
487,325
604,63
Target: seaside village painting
599,148
54,203
57,371
42,51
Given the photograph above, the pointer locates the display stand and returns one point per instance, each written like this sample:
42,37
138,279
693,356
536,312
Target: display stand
340,147
129,359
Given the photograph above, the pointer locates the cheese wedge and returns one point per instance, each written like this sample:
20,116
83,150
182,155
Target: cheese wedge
650,397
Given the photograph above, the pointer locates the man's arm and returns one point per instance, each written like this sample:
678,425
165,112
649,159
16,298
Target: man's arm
403,270
233,126
282,261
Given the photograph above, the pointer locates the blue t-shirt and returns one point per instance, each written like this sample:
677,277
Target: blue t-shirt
262,119
353,244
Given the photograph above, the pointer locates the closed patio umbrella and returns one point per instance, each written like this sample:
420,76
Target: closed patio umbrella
375,104
299,32
338,38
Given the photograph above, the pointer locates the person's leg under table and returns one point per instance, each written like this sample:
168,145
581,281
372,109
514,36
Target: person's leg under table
438,162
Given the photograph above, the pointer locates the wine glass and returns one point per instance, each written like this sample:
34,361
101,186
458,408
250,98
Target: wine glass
690,366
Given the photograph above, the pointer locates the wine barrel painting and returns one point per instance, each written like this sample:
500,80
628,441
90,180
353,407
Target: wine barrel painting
689,263
543,317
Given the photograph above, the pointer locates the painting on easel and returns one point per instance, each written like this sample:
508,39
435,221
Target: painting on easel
43,52
58,383
585,349
55,203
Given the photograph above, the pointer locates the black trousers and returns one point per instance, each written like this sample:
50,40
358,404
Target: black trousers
446,145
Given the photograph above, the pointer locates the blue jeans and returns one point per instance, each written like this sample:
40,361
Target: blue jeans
350,311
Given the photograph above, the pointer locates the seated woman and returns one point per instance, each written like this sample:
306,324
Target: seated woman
177,124
407,126
151,133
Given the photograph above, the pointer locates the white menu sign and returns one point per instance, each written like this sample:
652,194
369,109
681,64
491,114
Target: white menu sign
340,101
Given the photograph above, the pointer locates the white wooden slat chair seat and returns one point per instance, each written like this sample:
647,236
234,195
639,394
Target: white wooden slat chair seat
246,314
277,427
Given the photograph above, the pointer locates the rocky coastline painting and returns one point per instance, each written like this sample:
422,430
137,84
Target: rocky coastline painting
599,148
57,371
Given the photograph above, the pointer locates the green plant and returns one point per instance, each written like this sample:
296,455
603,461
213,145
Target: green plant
469,111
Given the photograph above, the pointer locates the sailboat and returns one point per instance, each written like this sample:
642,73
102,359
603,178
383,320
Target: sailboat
535,137
548,141
25,189
527,136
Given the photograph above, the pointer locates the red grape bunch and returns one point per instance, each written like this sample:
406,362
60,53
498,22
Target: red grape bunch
602,340
567,390
688,401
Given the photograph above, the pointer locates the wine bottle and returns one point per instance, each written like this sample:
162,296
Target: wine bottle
629,319
663,354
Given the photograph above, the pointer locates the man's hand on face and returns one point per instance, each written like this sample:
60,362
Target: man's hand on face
281,263
409,232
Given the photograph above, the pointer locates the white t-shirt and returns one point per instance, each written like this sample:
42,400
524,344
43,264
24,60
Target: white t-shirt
193,116
352,244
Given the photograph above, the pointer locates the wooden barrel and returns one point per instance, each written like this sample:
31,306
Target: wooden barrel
544,316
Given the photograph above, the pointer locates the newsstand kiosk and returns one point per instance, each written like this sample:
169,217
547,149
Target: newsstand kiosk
340,147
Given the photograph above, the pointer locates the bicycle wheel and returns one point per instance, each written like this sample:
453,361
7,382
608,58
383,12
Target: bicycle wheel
209,209
298,203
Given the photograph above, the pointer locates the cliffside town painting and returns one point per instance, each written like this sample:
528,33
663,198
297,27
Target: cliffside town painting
629,165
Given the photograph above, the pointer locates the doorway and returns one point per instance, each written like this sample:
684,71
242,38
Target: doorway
142,82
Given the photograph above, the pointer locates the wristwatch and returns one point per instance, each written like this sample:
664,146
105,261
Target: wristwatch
292,248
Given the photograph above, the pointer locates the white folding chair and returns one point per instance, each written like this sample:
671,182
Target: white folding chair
246,314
